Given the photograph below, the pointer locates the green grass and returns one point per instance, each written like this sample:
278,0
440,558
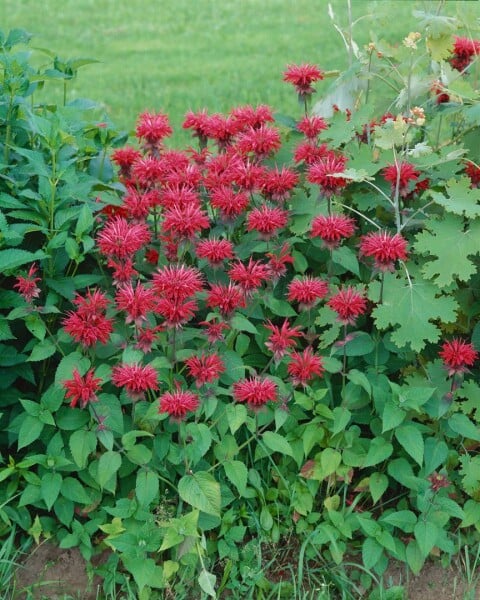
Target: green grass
176,55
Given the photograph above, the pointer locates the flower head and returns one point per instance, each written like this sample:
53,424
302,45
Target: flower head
267,221
457,356
302,76
349,304
215,250
205,368
277,263
312,126
153,127
178,403
176,311
332,229
464,49
185,221
304,366
230,203
307,291
27,286
226,298
121,239
282,339
438,481
247,116
261,141
135,301
177,282
473,172
402,172
82,389
278,184
249,277
136,379
214,330
255,391
384,248
89,324
324,173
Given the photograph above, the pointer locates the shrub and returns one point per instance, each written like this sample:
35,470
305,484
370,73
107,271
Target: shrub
270,335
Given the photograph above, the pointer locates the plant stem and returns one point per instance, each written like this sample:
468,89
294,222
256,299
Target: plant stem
344,370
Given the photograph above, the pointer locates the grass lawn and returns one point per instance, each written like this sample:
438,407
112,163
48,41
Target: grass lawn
175,55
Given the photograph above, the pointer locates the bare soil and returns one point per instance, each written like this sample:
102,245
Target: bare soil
50,572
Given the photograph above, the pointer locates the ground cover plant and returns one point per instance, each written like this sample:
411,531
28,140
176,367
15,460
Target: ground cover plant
269,339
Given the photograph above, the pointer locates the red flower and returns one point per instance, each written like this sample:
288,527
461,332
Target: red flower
199,122
215,251
261,141
121,239
135,301
124,158
178,403
185,222
82,389
267,221
255,391
332,229
135,379
222,129
214,330
138,204
88,324
282,338
278,185
152,256
438,481
304,366
247,116
349,304
27,286
146,338
153,127
277,262
180,197
176,312
457,356
312,126
247,175
473,171
302,76
225,298
205,368
464,50
324,172
307,291
229,202
440,92
310,153
249,277
404,172
123,271
177,282
384,248
147,171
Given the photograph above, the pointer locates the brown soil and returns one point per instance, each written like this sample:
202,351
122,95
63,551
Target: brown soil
50,572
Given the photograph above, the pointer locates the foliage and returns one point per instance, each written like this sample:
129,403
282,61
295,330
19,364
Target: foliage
240,374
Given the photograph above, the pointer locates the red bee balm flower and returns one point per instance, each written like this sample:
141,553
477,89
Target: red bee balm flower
230,203
214,330
304,366
267,221
464,50
403,172
348,304
384,248
215,251
278,185
332,229
302,76
226,298
177,282
185,222
205,368
324,172
457,356
261,141
312,126
88,324
473,171
307,291
27,286
255,391
249,277
282,338
135,301
153,127
178,403
121,239
135,378
82,389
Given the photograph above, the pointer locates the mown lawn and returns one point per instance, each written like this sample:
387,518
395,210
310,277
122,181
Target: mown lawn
175,55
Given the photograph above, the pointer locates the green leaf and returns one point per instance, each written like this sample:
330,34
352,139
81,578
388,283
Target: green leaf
108,465
144,570
42,350
378,451
280,308
360,344
73,490
84,222
201,491
241,323
450,248
277,443
207,582
36,326
436,453
13,258
378,484
50,488
471,474
402,519
462,199
415,558
341,418
410,307
462,425
371,552
236,416
346,257
82,443
68,363
411,439
392,415
30,430
146,487
426,534
330,460
234,366
237,473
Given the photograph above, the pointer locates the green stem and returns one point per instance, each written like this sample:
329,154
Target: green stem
344,370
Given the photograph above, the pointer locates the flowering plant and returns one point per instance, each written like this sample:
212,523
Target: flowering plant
267,333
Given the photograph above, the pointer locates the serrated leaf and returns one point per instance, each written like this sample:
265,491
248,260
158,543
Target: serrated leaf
277,443
144,571
411,439
82,443
410,307
378,484
237,473
146,487
461,200
50,488
108,465
11,258
42,350
462,425
426,534
378,451
201,491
